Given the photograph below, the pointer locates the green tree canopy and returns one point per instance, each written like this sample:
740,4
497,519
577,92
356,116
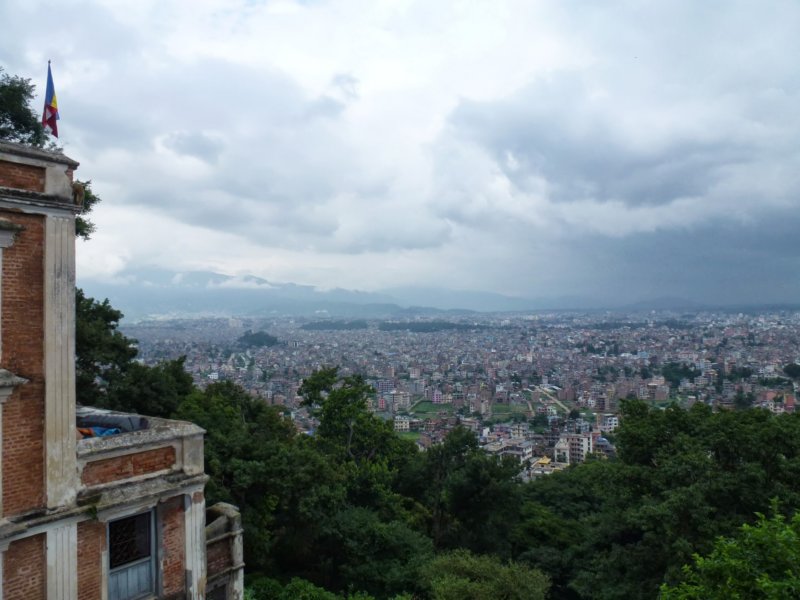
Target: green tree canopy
792,370
346,426
102,352
460,575
106,372
761,562
683,478
18,121
284,488
84,228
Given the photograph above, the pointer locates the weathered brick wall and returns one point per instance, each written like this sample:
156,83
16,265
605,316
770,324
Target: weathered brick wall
130,465
22,328
24,569
218,557
173,539
91,543
21,177
223,549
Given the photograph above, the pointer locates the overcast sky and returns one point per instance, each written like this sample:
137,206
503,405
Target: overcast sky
616,150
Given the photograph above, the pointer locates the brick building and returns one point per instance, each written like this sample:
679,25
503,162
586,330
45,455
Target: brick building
119,516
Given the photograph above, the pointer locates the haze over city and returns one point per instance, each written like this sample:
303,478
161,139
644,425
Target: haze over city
617,151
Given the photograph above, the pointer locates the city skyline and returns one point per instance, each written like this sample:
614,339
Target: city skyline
532,149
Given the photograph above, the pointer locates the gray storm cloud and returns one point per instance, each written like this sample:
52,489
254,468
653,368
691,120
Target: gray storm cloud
643,150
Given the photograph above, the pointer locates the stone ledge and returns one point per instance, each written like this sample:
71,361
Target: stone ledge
40,199
47,156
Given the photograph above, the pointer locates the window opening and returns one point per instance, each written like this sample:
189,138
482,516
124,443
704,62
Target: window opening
131,553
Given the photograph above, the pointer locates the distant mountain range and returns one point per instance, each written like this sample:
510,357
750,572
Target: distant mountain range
153,293
158,293
146,293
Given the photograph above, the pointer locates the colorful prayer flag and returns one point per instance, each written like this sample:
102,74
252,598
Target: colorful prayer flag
50,114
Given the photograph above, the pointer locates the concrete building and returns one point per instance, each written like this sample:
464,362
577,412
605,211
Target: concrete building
573,448
402,423
608,422
93,504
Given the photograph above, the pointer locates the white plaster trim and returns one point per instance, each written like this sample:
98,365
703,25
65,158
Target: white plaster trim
62,562
195,548
237,581
34,206
57,182
30,160
104,570
112,513
43,528
115,513
59,358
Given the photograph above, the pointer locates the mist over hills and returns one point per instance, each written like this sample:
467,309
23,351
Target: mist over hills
154,293
148,293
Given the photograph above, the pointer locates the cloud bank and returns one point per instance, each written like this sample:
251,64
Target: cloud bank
545,149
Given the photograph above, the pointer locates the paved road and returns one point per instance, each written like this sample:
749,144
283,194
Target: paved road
553,399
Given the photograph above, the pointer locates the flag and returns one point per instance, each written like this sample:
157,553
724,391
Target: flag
50,113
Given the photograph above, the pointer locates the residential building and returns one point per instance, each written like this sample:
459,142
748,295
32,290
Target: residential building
573,448
402,423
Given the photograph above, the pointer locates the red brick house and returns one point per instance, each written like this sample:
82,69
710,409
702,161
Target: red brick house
113,517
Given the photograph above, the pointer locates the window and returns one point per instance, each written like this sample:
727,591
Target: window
131,554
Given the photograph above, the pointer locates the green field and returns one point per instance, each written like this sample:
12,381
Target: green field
409,435
509,409
427,409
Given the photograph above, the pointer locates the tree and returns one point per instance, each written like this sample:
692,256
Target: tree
283,487
743,401
106,372
297,589
540,421
470,497
156,391
378,555
682,478
347,428
461,575
792,370
18,121
102,352
84,228
250,339
763,561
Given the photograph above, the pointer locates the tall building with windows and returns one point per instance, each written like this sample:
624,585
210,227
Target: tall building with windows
94,505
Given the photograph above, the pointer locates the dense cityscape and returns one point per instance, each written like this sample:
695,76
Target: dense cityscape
545,388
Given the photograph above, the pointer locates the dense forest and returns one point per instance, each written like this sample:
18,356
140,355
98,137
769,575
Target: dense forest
355,511
256,339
